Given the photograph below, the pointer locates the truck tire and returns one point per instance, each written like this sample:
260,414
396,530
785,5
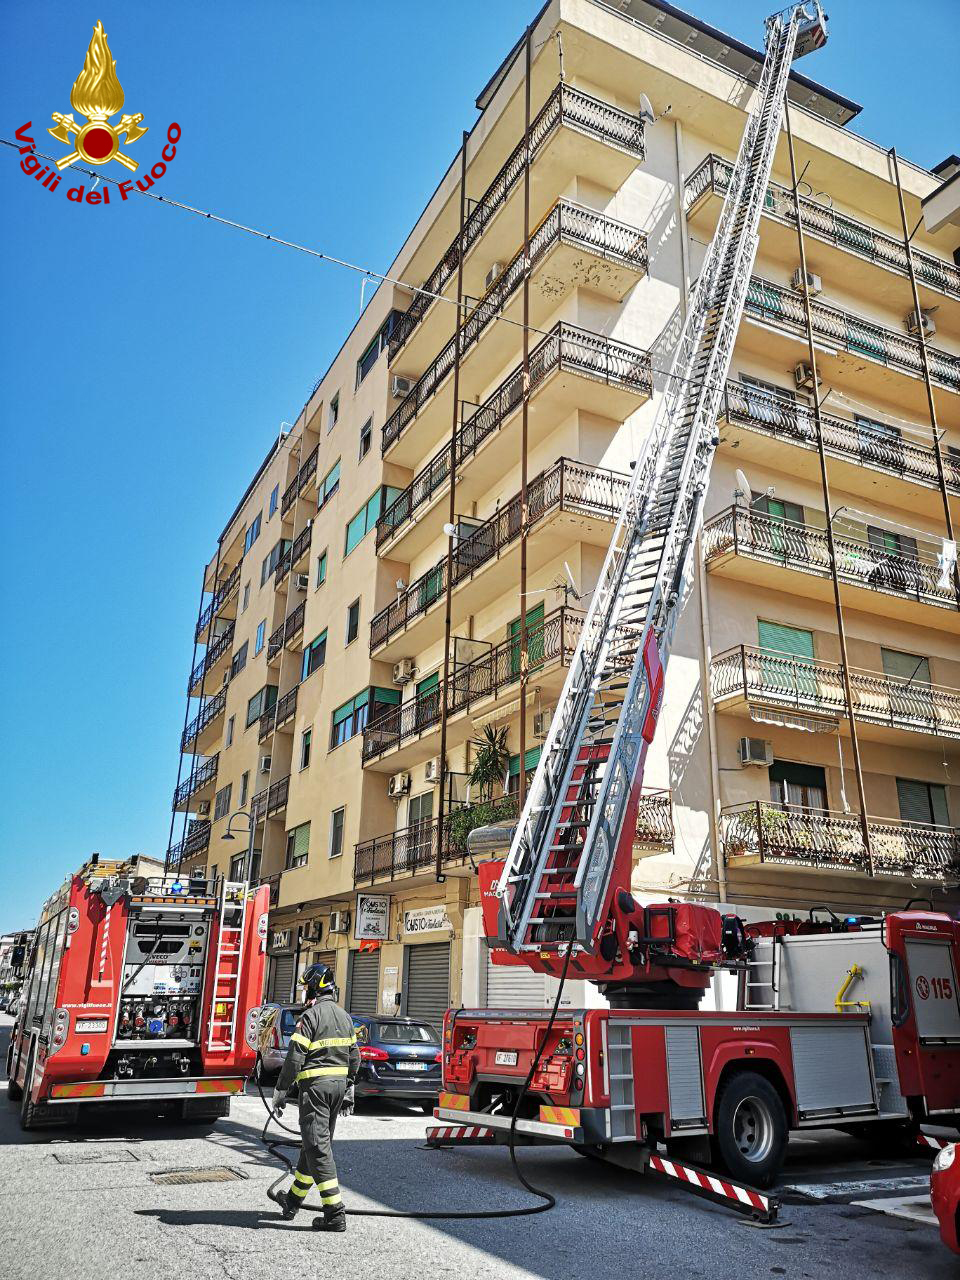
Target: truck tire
750,1128
29,1111
14,1092
205,1112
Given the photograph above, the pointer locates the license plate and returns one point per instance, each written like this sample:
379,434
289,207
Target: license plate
90,1024
505,1058
411,1066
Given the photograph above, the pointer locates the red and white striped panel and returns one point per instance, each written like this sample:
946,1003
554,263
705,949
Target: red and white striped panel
459,1133
742,1196
936,1144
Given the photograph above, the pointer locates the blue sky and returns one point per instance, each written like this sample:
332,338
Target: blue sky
147,357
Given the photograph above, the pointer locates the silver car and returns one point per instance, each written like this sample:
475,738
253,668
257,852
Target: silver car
277,1024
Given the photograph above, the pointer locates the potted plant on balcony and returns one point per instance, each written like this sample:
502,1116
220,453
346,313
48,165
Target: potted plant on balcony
491,761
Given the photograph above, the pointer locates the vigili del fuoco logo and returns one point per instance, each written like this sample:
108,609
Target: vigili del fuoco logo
97,95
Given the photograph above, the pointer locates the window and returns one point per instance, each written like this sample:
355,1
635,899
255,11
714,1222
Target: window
331,483
802,785
923,802
906,666
221,805
261,632
238,867
314,655
362,523
336,832
789,669
350,719
274,500
419,822
353,621
252,534
379,343
366,438
230,727
878,442
530,762
246,597
261,701
887,542
244,787
298,846
239,659
306,739
271,561
321,568
255,865
333,413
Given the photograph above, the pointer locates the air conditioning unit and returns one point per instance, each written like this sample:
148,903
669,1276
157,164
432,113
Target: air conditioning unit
496,269
811,286
916,321
302,581
399,784
431,770
803,377
400,386
541,722
203,808
403,671
755,751
265,763
339,922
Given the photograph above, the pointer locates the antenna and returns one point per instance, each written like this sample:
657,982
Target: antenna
743,489
574,589
646,110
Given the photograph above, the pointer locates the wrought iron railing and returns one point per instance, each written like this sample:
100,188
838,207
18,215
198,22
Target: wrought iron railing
804,547
203,772
563,347
655,820
224,591
271,799
781,306
565,106
713,174
308,470
791,420
566,486
278,714
212,708
803,684
293,554
291,626
788,835
197,840
213,655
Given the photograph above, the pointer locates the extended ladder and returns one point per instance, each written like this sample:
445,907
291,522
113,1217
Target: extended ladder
227,966
574,834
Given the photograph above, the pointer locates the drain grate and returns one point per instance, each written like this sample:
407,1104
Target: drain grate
179,1177
94,1156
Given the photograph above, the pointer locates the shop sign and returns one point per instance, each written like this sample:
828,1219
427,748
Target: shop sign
280,940
372,917
426,919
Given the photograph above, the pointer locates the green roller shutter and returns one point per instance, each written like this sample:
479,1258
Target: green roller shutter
791,650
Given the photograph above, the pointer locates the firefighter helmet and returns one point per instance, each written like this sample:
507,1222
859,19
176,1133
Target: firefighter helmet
318,979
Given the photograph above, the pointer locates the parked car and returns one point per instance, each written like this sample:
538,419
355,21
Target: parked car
277,1024
945,1194
13,1005
399,1058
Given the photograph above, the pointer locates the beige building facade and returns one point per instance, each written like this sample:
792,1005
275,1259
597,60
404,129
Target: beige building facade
360,633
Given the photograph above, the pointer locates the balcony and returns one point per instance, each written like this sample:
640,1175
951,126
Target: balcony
195,842
194,737
223,594
743,544
565,350
307,471
751,679
287,632
271,800
208,664
568,502
293,555
851,250
890,467
760,833
201,779
589,121
280,714
655,832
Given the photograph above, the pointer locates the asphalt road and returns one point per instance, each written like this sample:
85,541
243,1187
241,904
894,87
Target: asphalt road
82,1203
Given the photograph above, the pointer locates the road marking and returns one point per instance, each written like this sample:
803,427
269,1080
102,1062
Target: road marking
830,1190
913,1208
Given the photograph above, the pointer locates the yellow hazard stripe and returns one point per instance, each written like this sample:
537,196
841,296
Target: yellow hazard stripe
321,1071
560,1115
455,1101
78,1091
299,1192
303,1177
331,1042
335,1199
328,1185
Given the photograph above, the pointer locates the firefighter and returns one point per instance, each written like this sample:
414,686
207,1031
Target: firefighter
323,1060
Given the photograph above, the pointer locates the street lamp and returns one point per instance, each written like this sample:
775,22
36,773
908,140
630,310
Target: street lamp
251,827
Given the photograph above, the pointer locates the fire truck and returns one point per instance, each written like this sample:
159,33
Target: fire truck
795,1052
139,988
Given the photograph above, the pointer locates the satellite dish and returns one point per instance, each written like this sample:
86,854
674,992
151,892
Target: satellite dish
646,110
401,585
574,590
743,485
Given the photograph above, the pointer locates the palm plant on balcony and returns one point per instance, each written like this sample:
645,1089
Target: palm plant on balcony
491,760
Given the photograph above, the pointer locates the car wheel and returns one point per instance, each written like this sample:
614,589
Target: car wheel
751,1128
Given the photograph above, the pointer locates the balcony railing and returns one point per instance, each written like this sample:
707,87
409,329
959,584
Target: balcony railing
212,708
780,306
204,771
213,655
299,482
291,626
835,228
804,547
271,799
790,420
655,820
278,714
293,555
566,486
787,835
580,350
563,347
196,841
224,591
565,106
801,684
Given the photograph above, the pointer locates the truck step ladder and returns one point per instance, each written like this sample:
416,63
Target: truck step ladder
226,975
762,975
573,836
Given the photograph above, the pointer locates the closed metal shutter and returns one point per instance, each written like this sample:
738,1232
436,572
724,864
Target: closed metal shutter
281,978
514,986
427,993
364,981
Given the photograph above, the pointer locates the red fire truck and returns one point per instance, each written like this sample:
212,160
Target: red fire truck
139,988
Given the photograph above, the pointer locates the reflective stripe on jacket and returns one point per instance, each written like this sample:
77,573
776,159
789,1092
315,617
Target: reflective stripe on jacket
324,1045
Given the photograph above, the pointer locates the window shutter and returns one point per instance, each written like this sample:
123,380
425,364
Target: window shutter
906,666
777,638
301,840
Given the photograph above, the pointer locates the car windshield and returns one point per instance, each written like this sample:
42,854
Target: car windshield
407,1033
288,1020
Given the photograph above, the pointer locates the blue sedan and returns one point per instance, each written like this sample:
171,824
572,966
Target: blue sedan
399,1058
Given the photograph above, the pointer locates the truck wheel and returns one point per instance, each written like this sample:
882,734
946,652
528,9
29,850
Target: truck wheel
204,1112
751,1128
29,1111
14,1092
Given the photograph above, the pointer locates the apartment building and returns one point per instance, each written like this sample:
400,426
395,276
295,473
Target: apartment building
391,610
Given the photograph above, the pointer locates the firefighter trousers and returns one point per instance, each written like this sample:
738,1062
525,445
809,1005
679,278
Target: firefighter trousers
320,1104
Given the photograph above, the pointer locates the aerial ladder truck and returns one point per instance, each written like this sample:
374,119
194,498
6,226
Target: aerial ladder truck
652,1068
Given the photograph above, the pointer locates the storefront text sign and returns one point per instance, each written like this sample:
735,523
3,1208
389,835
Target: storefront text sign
426,920
372,917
